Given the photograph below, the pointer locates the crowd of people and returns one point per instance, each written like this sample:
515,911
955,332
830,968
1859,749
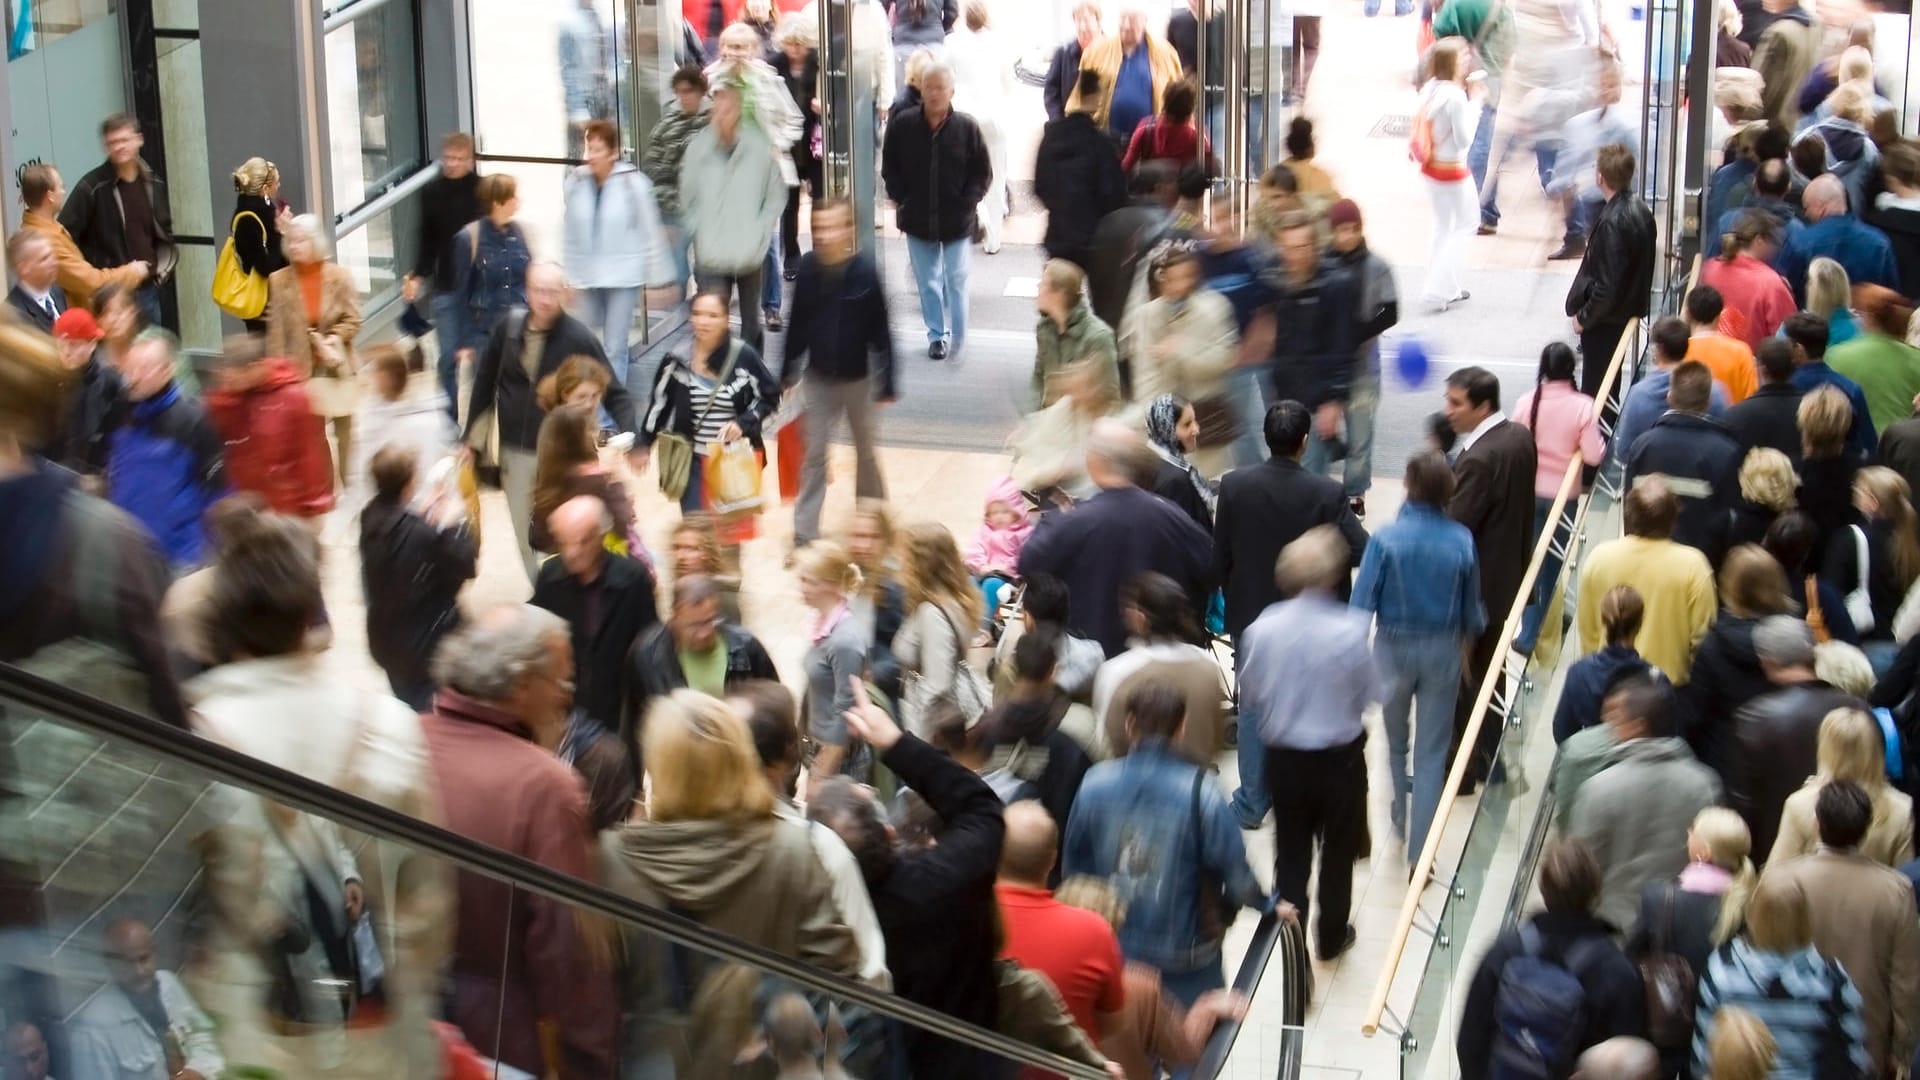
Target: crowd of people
988,787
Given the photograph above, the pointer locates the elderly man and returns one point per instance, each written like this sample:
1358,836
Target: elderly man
935,167
1135,70
524,348
694,648
1863,251
1063,71
519,960
117,1035
606,599
1115,536
1313,729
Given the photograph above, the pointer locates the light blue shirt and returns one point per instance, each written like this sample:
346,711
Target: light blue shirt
1308,674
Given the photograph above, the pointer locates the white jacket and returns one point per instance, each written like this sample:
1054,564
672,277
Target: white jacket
611,235
731,199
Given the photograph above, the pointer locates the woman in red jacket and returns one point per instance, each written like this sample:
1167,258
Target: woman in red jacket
276,445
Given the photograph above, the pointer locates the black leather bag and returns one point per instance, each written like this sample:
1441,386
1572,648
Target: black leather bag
1671,987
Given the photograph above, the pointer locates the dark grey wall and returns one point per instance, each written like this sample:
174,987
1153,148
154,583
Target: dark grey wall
253,72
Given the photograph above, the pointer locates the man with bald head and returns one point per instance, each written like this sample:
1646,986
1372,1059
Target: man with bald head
526,346
607,600
1074,948
1103,543
144,1026
1863,251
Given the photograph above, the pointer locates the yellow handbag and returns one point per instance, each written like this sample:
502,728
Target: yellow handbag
239,292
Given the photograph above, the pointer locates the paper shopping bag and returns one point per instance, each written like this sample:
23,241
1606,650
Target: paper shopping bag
789,450
732,477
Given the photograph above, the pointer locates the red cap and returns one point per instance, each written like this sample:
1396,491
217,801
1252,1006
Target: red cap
76,324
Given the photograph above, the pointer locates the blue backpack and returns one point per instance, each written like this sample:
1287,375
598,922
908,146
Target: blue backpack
1540,1011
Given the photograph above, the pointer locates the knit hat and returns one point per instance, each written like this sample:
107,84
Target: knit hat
1343,212
76,324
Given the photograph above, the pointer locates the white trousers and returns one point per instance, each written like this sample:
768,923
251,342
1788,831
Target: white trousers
1456,212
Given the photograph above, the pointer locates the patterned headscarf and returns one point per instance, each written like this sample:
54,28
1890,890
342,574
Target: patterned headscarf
1163,418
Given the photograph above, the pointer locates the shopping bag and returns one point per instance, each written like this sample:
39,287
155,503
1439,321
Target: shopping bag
789,450
731,474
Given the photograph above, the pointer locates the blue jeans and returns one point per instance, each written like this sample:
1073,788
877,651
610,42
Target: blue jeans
680,242
1582,214
1422,671
448,314
1187,986
1400,7
940,270
1251,800
1543,158
609,314
1482,149
1256,129
1536,613
1356,469
770,283
1248,388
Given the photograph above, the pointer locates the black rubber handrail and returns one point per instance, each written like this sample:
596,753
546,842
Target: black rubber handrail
227,766
1295,989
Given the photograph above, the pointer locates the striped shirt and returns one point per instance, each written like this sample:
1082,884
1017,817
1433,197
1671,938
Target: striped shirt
712,406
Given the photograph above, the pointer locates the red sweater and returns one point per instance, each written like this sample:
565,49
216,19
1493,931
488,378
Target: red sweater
276,446
1155,139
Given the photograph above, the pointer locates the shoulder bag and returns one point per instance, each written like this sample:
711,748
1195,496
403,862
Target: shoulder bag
239,292
1859,603
673,452
1670,984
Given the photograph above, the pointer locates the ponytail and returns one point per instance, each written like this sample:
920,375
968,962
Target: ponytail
1730,247
1733,903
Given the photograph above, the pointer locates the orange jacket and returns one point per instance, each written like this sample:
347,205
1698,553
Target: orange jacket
78,277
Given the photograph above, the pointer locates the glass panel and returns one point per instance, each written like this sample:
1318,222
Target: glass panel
378,252
64,61
183,111
543,70
200,325
373,104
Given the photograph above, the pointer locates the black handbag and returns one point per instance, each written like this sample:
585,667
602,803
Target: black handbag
1671,986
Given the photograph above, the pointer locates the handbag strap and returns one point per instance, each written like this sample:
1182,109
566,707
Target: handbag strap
1495,9
1663,941
726,372
1861,557
251,214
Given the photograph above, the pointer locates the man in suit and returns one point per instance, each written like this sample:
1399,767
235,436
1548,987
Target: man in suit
35,293
606,599
1493,498
1263,508
1120,533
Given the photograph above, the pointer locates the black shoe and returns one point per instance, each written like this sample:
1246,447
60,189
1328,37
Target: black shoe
937,350
774,321
1571,249
1358,505
792,271
1328,956
1486,229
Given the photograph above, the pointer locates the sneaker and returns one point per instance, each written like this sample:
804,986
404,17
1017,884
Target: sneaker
1486,229
1571,249
1358,504
937,350
774,321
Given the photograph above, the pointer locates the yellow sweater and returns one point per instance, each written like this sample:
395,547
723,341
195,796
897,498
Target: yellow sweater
1674,582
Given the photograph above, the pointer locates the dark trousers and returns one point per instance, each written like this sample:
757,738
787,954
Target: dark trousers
1596,351
747,286
1318,795
810,178
1486,652
417,695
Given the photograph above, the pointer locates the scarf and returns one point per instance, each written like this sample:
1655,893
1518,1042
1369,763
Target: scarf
824,624
1703,877
1163,416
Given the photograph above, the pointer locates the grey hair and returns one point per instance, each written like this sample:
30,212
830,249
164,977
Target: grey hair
1317,560
316,232
1621,1058
489,656
1845,666
162,335
694,589
1784,641
940,68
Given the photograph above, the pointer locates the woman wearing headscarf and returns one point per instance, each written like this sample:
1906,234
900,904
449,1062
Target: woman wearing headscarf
1173,432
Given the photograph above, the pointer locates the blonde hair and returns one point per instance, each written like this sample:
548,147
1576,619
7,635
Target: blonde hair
253,176
1852,748
1828,288
795,30
1778,918
33,383
1825,416
700,762
701,525
824,560
1766,479
935,574
1063,277
1856,64
1729,847
740,33
1852,100
1894,499
1741,1047
1845,666
917,65
1752,584
977,15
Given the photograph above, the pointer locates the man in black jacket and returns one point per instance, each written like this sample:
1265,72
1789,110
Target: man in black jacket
1077,177
1263,508
118,212
1776,737
412,570
607,600
838,336
1771,414
1311,314
936,904
1615,281
694,647
1105,542
1700,459
934,163
1063,73
525,347
450,202
1493,498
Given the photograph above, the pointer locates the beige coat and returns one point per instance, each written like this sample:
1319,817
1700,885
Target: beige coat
1103,56
1186,351
80,278
1863,917
1889,841
335,392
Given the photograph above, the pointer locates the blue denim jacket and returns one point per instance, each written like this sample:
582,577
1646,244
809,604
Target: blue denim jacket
1133,824
1420,576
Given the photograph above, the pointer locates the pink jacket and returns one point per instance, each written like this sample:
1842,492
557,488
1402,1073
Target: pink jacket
999,549
1567,426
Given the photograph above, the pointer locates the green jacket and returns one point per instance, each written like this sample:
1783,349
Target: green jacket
1581,758
1887,370
1086,338
1464,18
666,145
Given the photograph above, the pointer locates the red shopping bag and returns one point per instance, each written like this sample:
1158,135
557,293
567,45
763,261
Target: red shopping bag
789,450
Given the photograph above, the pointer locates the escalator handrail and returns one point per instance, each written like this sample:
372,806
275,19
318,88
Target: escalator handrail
227,766
1271,933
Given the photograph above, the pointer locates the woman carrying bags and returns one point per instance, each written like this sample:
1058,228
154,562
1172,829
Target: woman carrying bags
258,218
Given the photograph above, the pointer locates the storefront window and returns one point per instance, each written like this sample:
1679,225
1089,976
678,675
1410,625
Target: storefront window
379,252
373,104
63,75
540,71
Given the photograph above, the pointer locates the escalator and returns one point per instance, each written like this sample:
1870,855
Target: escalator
145,934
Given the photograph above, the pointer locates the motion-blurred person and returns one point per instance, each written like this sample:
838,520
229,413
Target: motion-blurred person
1702,909
275,445
448,205
1742,1048
1574,182
1069,334
36,295
836,662
165,462
1313,307
118,212
1449,183
491,266
1378,310
1879,359
586,62
42,195
414,560
313,315
1170,135
1135,69
568,465
69,556
842,363
983,81
1163,648
1860,249
1075,949
1063,71
1614,283
614,242
606,600
144,1025
1076,173
694,648
1674,581
732,194
935,168
520,962
666,149
391,416
94,399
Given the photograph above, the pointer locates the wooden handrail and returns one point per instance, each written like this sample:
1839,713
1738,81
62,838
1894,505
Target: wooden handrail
1430,849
